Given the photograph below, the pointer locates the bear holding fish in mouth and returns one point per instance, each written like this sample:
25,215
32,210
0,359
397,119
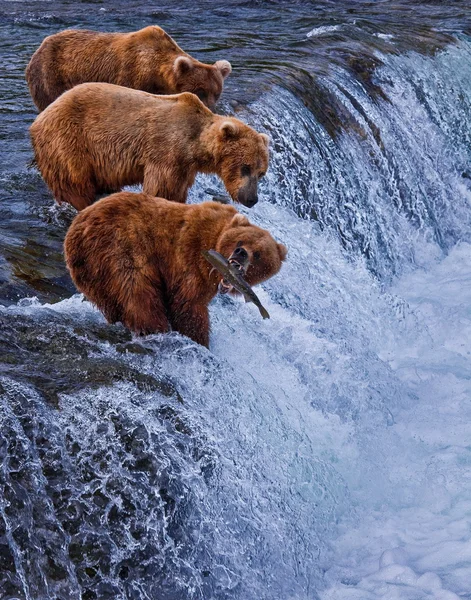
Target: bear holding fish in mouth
139,259
150,263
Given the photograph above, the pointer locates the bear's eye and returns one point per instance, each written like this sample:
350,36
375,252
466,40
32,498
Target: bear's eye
256,255
201,94
245,171
239,244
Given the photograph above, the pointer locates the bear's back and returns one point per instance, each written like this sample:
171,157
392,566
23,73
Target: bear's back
109,101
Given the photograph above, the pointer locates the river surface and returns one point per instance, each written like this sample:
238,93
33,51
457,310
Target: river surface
322,455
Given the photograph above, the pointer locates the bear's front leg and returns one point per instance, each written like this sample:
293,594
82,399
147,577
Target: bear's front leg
192,321
169,183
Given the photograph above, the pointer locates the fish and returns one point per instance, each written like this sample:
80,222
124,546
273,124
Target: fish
217,196
232,277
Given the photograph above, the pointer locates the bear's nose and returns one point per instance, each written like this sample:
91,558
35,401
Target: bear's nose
251,201
240,253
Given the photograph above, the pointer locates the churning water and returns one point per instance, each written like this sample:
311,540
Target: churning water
323,454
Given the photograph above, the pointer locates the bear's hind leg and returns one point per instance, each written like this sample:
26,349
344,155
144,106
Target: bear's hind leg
74,187
41,81
144,310
77,201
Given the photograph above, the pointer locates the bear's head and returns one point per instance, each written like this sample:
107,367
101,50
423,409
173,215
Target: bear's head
241,154
205,81
253,248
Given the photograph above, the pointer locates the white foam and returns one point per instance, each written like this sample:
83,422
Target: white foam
76,305
322,30
384,36
418,545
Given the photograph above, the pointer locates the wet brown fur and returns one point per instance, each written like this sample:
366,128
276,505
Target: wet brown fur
147,60
138,258
98,137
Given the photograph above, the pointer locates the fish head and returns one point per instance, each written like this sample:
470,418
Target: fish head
238,263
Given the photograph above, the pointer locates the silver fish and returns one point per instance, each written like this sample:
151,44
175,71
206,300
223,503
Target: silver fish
232,276
218,196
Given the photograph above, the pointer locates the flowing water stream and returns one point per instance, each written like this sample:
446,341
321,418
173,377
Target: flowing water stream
321,455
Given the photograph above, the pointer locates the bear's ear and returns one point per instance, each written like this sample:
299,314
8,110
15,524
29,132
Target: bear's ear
224,66
239,221
266,139
282,251
182,65
229,129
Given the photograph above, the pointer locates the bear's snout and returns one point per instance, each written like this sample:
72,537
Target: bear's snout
247,194
240,253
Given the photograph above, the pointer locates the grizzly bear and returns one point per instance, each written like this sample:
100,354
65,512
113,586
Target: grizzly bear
139,259
147,60
98,137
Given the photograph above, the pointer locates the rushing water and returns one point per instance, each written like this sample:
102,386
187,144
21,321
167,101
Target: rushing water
323,454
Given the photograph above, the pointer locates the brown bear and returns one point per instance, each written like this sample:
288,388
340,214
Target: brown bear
98,137
139,259
147,60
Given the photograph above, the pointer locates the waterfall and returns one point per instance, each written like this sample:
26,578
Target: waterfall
151,468
388,168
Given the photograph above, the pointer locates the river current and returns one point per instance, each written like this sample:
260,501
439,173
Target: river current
321,455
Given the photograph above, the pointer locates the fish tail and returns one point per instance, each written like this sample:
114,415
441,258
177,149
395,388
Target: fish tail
264,312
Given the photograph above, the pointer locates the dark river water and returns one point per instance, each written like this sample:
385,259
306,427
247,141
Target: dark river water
154,469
